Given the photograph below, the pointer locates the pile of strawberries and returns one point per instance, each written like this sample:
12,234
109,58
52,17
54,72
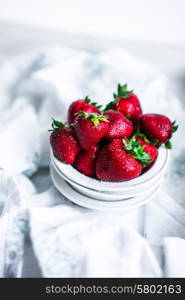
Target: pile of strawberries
112,144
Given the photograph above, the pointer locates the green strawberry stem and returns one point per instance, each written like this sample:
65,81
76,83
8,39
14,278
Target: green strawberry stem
175,126
56,125
135,149
87,99
168,143
110,105
138,133
95,118
122,91
95,104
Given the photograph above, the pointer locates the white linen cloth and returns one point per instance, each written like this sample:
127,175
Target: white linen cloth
88,243
14,190
69,240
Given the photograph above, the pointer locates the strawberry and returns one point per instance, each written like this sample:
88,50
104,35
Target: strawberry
82,105
90,128
140,148
85,161
114,164
63,142
119,126
158,128
126,102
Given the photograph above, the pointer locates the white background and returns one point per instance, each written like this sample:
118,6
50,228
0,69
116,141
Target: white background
145,20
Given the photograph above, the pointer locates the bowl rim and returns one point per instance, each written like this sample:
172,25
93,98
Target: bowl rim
152,189
96,193
85,201
155,170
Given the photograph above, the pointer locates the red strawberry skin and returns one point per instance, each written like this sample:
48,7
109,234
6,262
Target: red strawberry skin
89,134
86,161
64,144
129,107
156,127
149,149
80,105
119,126
115,165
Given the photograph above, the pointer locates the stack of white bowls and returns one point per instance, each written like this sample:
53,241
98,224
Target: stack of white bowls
96,194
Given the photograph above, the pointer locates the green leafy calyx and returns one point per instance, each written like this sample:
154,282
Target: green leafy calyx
110,105
168,145
175,126
136,150
138,133
154,142
95,118
122,91
96,105
88,101
143,136
56,125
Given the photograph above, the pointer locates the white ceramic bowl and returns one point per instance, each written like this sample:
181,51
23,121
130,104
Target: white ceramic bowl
109,196
132,187
85,201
